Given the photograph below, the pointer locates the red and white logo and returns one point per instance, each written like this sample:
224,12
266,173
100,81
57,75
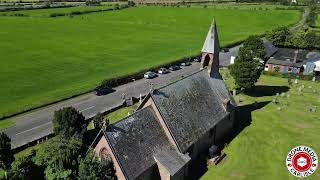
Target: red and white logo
302,161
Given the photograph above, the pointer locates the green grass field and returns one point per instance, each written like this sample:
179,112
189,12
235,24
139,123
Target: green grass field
47,12
260,150
48,59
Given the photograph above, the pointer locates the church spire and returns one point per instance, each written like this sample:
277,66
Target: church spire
210,52
211,44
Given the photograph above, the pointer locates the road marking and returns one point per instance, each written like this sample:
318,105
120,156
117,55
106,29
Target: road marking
87,108
33,128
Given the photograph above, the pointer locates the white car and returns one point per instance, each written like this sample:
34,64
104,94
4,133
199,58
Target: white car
150,75
163,71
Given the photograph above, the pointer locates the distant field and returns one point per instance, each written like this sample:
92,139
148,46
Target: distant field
260,150
46,59
47,12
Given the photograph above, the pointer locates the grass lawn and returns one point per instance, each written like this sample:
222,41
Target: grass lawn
47,59
6,123
260,150
318,21
117,115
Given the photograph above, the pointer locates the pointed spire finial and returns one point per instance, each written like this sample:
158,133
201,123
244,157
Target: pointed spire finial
211,44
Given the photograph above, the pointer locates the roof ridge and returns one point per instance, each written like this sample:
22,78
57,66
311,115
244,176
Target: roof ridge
183,77
134,112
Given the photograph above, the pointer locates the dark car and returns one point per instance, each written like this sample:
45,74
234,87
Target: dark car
225,50
103,90
174,68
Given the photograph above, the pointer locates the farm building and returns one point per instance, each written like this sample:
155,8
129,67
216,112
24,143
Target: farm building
294,61
173,125
286,60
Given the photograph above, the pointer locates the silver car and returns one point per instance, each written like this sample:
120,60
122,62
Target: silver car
150,75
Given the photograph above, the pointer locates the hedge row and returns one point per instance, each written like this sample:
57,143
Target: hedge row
88,11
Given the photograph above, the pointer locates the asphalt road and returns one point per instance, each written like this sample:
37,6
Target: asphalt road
34,125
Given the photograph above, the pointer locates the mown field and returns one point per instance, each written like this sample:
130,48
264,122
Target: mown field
46,59
260,150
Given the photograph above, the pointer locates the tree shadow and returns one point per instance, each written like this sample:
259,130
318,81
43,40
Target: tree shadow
261,90
243,119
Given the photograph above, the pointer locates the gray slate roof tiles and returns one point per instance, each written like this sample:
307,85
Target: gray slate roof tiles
192,106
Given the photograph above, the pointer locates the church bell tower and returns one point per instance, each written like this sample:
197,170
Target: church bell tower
210,52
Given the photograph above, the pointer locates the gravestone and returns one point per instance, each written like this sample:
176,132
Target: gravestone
296,81
129,102
274,100
283,94
313,79
234,92
288,96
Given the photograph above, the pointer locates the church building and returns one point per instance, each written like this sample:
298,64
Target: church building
173,125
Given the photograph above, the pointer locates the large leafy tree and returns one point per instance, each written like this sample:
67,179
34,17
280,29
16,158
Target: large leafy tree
247,67
6,155
69,122
279,36
23,168
59,156
91,167
255,45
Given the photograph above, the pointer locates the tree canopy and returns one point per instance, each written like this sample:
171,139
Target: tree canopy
59,156
247,67
69,122
91,167
6,155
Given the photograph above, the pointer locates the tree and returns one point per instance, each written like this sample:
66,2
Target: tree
91,167
24,168
59,156
69,122
255,45
247,69
279,35
6,155
98,121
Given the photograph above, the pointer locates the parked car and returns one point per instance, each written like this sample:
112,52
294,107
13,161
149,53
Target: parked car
150,75
187,63
163,71
102,90
225,50
174,68
197,60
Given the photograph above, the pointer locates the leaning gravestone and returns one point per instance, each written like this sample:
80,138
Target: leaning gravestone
283,94
277,94
274,100
296,81
314,79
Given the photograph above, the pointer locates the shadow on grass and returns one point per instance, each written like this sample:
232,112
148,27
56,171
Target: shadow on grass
243,119
261,90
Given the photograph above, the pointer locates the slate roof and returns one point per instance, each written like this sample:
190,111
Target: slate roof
135,141
269,47
172,160
192,106
285,56
211,44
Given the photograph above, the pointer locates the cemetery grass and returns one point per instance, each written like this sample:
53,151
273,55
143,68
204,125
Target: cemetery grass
48,59
259,151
